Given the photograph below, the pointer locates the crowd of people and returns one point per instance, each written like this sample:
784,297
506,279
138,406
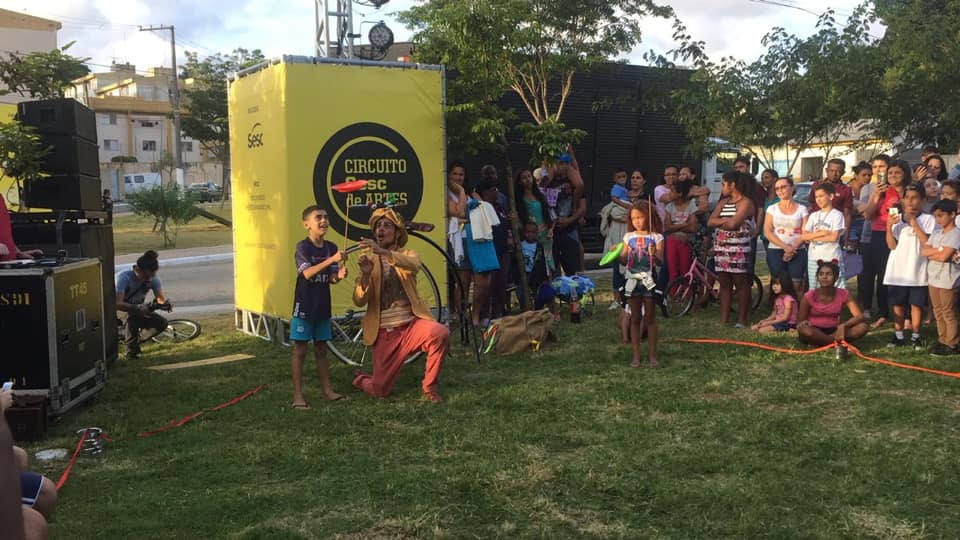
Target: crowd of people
892,223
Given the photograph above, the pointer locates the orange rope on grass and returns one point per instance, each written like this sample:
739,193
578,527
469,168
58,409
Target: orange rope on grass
853,349
756,345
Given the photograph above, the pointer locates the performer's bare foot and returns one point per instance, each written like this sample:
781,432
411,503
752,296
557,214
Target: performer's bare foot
878,323
433,397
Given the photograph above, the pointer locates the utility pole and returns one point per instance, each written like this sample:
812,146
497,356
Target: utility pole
175,96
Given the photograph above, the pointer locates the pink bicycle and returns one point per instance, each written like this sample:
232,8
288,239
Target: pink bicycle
700,281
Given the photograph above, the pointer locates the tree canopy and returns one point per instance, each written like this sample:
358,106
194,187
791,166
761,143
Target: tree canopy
40,75
205,100
530,47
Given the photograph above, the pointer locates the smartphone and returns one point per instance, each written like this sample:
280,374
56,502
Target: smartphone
7,386
882,179
893,211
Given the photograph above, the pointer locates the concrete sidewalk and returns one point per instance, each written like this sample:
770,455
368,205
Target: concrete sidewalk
173,257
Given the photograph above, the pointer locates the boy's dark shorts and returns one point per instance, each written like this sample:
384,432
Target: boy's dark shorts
906,296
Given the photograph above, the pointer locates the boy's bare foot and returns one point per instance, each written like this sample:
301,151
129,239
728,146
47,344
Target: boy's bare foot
635,363
333,396
653,362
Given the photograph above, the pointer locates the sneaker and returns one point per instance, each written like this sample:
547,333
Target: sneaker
940,349
916,343
896,342
614,305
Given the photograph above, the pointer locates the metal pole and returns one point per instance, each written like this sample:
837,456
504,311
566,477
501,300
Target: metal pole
174,93
326,29
177,145
316,28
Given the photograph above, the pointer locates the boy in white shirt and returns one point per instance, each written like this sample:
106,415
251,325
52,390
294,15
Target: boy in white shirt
908,229
823,231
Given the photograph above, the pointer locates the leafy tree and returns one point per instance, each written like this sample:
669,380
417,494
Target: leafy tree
168,206
921,46
41,75
800,92
205,101
529,47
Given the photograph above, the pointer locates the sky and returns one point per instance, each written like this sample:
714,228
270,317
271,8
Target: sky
106,31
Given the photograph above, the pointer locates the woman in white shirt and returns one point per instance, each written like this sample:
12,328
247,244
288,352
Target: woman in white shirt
782,228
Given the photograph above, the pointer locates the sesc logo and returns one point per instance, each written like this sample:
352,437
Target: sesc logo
255,137
375,153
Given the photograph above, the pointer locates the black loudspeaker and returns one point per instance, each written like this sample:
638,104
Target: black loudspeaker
72,192
59,117
39,231
70,154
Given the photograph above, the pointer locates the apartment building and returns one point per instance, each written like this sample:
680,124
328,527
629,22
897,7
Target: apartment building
134,127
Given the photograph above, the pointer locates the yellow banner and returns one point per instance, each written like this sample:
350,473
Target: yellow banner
296,129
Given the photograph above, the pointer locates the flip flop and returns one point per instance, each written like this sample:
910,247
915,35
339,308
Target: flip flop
341,397
301,406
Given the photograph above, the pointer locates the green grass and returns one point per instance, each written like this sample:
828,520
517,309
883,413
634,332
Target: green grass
569,443
133,234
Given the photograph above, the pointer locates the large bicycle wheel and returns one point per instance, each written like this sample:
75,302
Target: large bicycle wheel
178,330
679,297
346,340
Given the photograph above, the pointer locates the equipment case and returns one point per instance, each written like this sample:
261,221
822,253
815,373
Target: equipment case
52,330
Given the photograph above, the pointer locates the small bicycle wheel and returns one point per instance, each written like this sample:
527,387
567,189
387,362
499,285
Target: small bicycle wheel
178,330
346,338
679,297
756,293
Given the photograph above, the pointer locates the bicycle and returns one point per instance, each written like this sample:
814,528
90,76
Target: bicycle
346,340
177,330
700,281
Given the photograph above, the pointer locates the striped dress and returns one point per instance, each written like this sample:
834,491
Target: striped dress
732,248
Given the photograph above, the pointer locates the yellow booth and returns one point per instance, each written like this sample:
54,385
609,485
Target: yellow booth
300,125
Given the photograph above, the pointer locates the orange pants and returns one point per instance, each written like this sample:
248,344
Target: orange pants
396,345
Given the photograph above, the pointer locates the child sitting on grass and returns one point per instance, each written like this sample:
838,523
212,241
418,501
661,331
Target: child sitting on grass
783,300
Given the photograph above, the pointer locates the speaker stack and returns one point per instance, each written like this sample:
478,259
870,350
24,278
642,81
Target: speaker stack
69,129
78,224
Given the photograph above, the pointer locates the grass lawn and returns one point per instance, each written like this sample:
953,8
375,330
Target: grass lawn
133,234
570,443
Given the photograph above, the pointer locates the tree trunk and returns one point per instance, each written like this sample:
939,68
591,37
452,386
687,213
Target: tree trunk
523,289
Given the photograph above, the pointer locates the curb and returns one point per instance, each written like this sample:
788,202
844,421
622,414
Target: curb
188,260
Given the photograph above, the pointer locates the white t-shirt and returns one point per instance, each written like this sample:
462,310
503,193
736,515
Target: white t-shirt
944,275
787,227
680,217
905,267
658,192
831,220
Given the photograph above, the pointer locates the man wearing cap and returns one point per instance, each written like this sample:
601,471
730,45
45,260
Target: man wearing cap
397,323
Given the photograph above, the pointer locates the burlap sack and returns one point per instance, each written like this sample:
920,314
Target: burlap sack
527,331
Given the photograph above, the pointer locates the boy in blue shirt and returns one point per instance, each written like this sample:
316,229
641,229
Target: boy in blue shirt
618,193
317,268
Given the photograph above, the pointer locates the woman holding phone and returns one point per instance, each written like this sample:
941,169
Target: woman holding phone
883,201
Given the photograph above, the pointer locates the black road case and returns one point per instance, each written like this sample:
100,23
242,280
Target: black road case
52,330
